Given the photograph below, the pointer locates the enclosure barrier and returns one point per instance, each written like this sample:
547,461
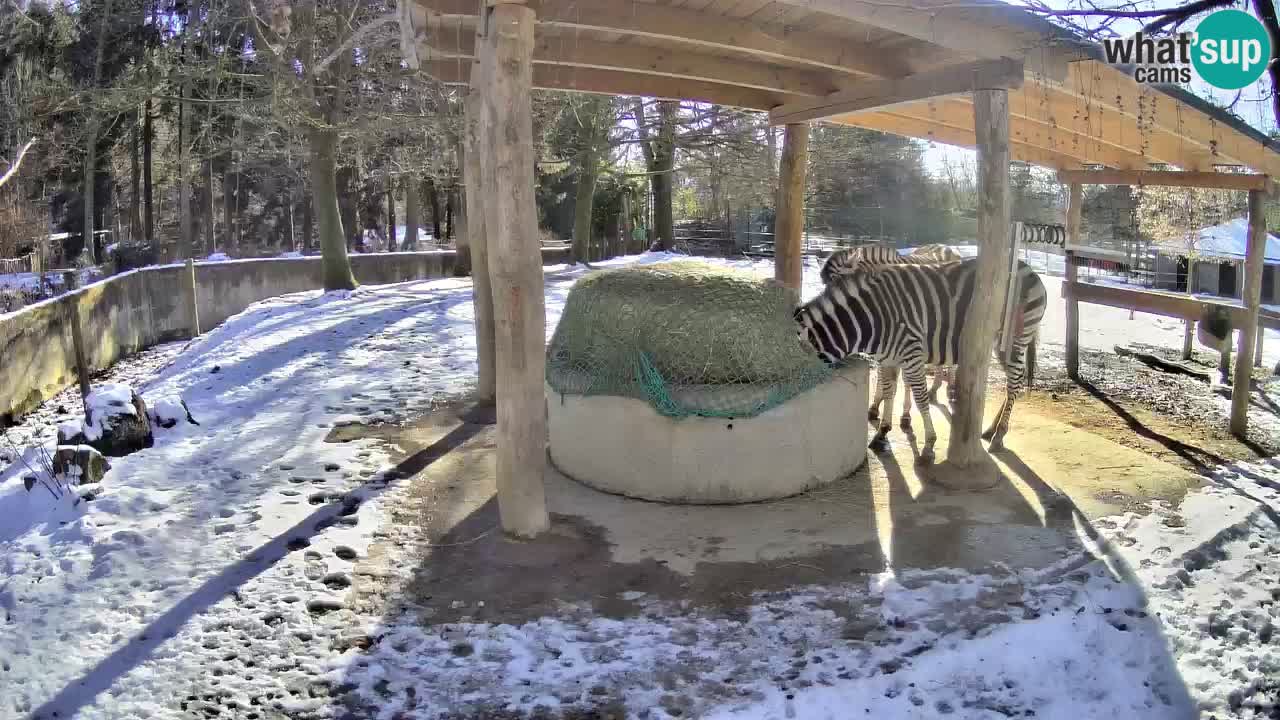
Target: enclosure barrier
132,311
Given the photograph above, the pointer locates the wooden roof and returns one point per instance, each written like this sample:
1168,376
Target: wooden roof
1070,110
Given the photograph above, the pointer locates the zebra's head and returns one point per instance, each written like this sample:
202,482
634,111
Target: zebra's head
838,263
826,324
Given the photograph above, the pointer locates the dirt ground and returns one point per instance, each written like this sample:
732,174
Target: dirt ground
606,552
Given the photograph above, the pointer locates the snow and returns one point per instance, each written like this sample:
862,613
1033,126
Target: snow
211,566
106,401
218,257
168,411
1229,240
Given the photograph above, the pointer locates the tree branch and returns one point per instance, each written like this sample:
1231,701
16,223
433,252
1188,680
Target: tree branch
17,161
356,37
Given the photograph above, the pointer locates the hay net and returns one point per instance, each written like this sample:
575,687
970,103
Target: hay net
688,337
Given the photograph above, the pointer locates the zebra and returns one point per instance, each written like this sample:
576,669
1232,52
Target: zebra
842,261
907,316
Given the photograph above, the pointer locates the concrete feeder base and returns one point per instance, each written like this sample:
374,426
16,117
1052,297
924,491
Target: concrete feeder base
622,445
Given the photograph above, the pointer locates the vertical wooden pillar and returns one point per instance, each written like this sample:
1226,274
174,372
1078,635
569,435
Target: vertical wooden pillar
991,120
1188,333
514,257
193,299
788,262
481,289
1252,299
1257,348
1075,205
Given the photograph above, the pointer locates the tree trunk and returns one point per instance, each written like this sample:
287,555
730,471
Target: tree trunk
664,158
411,221
135,184
324,179
434,199
391,214
148,198
186,233
448,213
466,196
90,181
588,170
308,231
228,212
211,244
789,227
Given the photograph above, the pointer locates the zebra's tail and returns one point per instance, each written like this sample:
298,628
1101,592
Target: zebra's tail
1031,361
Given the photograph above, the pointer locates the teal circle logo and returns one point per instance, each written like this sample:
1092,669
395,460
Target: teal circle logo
1232,49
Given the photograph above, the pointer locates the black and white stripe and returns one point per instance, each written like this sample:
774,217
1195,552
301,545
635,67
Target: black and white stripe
843,261
909,316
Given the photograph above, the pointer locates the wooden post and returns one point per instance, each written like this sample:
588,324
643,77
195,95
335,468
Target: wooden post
515,264
1188,334
1257,348
991,118
481,289
77,332
1252,300
788,263
1075,205
193,303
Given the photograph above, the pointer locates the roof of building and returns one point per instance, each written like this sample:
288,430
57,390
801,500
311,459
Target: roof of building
1071,110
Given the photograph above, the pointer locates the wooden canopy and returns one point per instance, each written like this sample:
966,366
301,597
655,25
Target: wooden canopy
904,67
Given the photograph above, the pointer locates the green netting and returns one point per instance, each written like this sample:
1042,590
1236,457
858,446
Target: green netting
688,337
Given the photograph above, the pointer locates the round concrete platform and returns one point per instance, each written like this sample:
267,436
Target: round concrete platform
622,445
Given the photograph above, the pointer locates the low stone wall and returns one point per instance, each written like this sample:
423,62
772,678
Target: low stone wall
132,311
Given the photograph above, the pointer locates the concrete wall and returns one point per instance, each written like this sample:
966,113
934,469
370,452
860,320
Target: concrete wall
132,311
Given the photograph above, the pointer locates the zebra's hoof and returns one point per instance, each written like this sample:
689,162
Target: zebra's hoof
926,457
878,444
996,446
873,414
905,422
989,434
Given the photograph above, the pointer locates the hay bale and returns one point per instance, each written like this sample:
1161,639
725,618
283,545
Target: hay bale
657,331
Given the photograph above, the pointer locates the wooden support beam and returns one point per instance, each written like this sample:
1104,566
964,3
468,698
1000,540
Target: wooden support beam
1257,351
960,137
991,117
881,93
719,32
788,256
1165,178
515,261
685,63
1032,132
991,31
481,288
1188,338
1098,86
1251,296
1105,128
1075,205
613,82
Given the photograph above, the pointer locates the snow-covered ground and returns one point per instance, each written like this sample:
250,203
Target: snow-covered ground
209,574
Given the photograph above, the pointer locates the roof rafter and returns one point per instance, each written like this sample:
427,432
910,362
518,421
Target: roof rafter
696,28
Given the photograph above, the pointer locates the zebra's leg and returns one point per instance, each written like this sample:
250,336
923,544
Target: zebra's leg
939,374
951,386
914,375
873,412
889,386
1015,375
904,422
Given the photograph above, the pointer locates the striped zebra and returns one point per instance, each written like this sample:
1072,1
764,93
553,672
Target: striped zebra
910,315
843,261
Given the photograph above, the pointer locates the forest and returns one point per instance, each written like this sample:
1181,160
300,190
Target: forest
179,129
